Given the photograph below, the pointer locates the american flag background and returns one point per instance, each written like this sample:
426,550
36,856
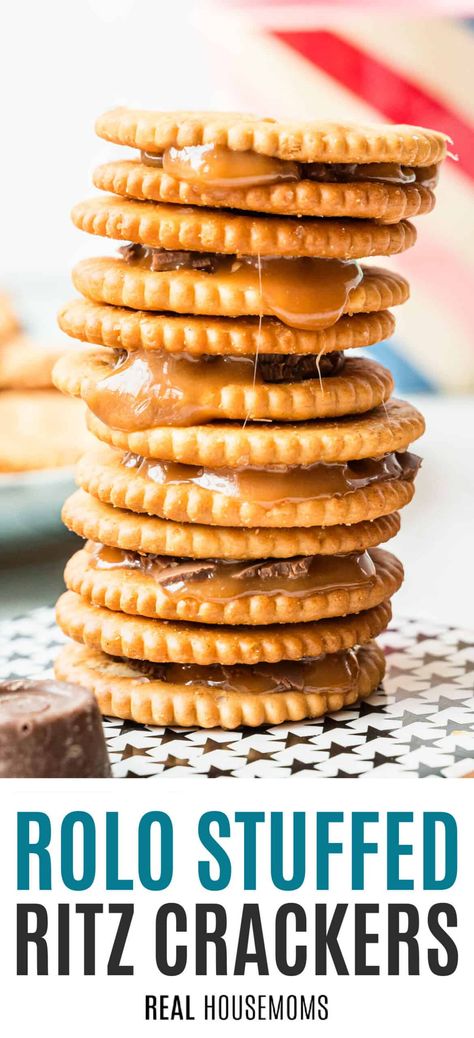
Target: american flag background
365,62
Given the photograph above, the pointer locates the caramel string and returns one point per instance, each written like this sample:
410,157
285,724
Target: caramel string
259,330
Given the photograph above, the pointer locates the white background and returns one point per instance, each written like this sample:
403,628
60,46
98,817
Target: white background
53,1007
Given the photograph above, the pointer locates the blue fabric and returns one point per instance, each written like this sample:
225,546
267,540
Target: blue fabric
408,378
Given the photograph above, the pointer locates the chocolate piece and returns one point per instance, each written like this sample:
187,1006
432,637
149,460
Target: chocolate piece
289,569
169,259
130,252
333,672
274,484
219,580
50,729
274,367
162,259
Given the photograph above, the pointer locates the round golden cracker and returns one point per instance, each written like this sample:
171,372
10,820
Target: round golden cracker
139,594
101,474
220,231
368,199
116,327
391,427
111,280
41,430
164,641
361,386
300,141
96,521
25,364
121,692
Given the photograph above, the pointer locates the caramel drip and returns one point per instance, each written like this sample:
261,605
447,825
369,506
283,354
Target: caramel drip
146,388
270,486
214,166
334,672
304,293
211,165
217,580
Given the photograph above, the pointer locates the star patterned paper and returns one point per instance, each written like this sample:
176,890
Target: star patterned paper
420,723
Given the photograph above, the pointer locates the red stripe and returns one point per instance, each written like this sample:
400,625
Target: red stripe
399,99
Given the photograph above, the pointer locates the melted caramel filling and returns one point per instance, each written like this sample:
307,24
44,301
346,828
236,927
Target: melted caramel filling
270,486
211,165
216,167
217,580
146,388
334,672
304,293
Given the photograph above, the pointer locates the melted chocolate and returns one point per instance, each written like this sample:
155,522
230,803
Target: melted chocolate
169,259
334,672
385,172
217,580
274,485
146,388
276,367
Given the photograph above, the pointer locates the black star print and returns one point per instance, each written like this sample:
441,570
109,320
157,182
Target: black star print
460,645
335,749
128,727
175,762
370,708
404,693
417,744
345,774
171,736
424,770
436,682
409,718
381,758
301,765
294,740
330,723
448,702
456,726
133,751
254,755
378,733
468,666
401,672
212,744
461,754
262,730
423,637
218,773
429,657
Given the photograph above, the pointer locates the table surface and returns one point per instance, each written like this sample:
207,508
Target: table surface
420,723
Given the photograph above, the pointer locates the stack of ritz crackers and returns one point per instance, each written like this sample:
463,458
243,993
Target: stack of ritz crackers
248,465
